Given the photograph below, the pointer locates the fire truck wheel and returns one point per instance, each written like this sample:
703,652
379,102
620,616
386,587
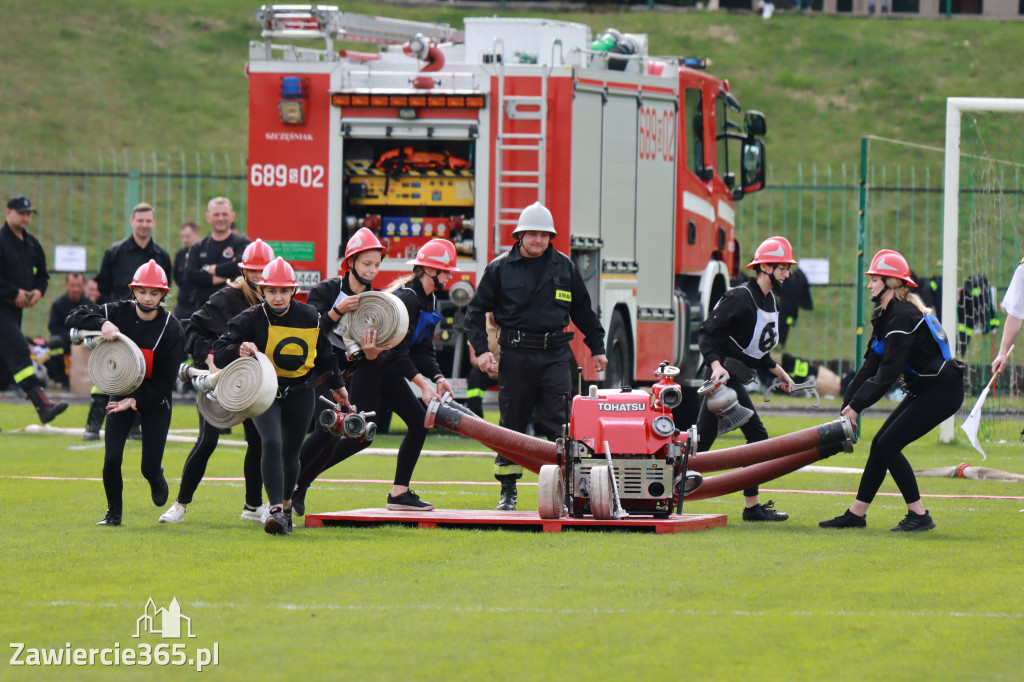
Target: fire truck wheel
601,493
620,355
550,492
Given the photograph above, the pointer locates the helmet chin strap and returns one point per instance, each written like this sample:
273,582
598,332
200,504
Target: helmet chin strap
148,309
365,282
776,283
437,282
276,311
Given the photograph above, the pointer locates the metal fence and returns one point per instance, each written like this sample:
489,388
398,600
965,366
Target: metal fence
89,204
817,206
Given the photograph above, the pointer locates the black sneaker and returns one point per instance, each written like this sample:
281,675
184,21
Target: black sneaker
847,520
914,523
299,501
110,519
158,489
91,435
764,512
277,522
288,516
408,501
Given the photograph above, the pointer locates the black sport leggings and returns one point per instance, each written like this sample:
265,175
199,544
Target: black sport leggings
707,424
156,419
912,418
195,463
282,428
371,388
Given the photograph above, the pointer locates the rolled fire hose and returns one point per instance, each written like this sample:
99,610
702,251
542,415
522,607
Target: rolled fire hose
378,310
247,387
214,414
115,367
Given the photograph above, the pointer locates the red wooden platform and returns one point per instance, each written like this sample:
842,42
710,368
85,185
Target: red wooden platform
519,520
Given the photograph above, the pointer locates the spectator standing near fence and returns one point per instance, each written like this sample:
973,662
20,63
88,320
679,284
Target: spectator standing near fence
126,256
23,281
59,364
213,260
186,304
1013,304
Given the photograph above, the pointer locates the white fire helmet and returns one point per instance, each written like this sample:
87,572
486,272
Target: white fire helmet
535,217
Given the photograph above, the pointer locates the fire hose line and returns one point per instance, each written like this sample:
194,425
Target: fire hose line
531,453
378,310
214,414
836,431
115,367
734,481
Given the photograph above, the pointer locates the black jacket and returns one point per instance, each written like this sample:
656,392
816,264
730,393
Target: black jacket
730,326
293,342
322,297
121,261
414,355
224,255
210,321
910,349
186,303
59,312
162,335
22,266
538,306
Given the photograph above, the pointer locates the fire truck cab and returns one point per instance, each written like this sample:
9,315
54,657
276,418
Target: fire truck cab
451,133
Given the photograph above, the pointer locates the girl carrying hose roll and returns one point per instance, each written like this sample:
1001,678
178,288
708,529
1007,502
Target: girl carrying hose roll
158,335
288,333
907,343
201,330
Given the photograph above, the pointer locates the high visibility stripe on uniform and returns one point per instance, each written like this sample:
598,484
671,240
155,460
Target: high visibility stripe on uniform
95,391
508,470
474,393
23,374
55,352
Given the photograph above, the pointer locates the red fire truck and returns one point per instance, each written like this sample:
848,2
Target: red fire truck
451,133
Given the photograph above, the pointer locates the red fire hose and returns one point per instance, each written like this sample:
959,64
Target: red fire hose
836,431
734,481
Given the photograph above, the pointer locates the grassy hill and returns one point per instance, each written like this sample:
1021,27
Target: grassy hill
84,78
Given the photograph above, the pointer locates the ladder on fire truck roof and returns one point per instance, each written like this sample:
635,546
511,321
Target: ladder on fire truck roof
525,175
327,22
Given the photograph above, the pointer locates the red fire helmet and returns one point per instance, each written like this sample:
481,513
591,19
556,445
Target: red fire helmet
256,256
889,263
278,273
773,250
150,275
363,240
438,254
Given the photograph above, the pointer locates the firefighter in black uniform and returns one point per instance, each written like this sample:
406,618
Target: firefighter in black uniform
23,280
123,258
158,335
289,333
333,298
201,330
534,292
213,260
907,343
187,303
59,363
736,340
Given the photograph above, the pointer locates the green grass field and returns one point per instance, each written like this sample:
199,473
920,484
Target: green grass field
785,602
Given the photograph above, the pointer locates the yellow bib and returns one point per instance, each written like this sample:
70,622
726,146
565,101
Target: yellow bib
292,350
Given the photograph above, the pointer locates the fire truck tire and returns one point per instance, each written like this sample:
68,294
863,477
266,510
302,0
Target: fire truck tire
620,354
550,492
601,493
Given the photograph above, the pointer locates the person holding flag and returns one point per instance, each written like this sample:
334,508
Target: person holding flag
907,343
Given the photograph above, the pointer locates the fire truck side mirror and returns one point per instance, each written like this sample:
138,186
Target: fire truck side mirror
752,165
754,123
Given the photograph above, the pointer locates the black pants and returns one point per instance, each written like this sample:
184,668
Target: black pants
195,463
282,428
707,424
913,417
15,352
476,384
156,420
532,387
371,388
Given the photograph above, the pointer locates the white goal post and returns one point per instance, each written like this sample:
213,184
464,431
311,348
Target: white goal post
955,107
